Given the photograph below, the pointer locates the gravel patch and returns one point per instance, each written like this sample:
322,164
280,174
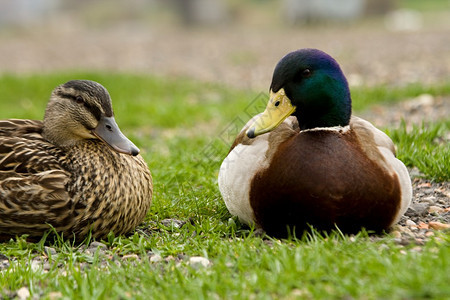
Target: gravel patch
428,212
199,262
424,108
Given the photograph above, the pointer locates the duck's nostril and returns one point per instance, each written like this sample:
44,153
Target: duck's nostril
109,127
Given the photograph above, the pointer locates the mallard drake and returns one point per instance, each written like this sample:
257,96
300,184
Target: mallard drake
305,161
74,171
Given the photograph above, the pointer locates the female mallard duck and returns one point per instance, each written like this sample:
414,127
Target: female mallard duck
305,161
75,171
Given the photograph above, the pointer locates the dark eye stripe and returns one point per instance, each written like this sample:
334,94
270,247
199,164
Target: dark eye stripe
67,96
95,111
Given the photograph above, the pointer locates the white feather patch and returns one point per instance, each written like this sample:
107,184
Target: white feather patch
236,173
399,168
334,128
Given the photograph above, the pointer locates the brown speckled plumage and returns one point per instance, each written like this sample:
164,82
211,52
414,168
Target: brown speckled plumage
77,186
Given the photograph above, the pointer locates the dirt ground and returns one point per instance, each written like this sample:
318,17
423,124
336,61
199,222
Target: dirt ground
242,57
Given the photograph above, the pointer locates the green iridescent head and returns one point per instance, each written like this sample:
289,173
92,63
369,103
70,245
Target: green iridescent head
310,85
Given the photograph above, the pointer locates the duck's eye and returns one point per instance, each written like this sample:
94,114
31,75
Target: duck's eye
306,73
79,100
277,103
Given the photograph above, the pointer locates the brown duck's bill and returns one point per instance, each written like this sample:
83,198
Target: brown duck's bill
277,110
108,131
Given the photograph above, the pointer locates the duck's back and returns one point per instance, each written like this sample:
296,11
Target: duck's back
32,181
23,150
323,178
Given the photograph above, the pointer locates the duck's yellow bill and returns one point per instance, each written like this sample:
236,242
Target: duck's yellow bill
277,110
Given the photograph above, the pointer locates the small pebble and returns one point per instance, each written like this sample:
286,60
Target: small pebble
417,249
435,209
46,266
439,225
49,251
35,265
94,246
173,222
23,293
418,209
403,228
300,294
97,245
130,257
199,262
427,192
155,258
384,247
259,232
55,295
4,264
396,234
182,256
169,258
443,202
410,223
423,185
429,199
423,225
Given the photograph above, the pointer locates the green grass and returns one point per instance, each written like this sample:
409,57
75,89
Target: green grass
430,5
363,97
426,147
184,129
243,267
